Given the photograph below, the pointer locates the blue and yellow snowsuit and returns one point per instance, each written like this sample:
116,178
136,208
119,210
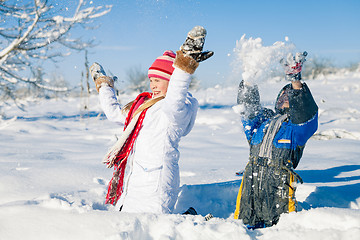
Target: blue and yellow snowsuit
277,140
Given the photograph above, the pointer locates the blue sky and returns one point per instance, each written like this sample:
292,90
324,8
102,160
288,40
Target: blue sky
135,32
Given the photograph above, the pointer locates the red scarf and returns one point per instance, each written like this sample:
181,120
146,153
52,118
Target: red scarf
115,188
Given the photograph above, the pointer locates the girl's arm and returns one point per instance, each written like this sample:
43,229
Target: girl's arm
179,105
110,105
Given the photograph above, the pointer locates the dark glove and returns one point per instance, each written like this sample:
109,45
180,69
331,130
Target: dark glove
293,65
249,97
248,94
193,45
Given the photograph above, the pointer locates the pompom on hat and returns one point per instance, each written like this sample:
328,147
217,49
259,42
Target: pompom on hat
163,66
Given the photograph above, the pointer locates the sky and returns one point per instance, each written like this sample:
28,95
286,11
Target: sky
135,32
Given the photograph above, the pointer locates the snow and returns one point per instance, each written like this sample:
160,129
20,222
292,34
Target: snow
53,184
257,62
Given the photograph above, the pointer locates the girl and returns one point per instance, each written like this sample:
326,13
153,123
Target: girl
146,171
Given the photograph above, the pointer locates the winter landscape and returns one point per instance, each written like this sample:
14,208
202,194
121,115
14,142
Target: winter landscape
53,184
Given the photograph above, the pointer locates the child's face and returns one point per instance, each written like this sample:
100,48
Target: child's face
283,101
158,86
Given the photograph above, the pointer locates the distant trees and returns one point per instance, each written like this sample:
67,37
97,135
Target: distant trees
137,79
318,66
32,32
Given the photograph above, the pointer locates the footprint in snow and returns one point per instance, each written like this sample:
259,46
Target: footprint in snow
100,181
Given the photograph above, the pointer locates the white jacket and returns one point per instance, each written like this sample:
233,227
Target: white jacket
152,176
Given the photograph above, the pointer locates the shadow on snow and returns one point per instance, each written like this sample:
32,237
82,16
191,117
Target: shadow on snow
216,198
331,196
220,198
214,106
60,116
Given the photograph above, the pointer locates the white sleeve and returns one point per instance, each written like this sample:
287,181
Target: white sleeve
110,105
179,105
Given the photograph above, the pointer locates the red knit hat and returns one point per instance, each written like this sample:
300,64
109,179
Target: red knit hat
162,67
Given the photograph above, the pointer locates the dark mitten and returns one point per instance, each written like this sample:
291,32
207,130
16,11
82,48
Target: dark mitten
194,43
249,97
248,94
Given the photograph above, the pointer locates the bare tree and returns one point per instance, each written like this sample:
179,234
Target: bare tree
318,66
195,83
32,32
137,79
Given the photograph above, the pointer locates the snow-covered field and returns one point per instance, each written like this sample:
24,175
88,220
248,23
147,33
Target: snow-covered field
52,183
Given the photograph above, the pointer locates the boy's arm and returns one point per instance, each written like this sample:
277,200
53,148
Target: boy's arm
248,100
302,103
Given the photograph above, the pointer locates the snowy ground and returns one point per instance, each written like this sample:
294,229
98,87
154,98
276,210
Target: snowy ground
52,184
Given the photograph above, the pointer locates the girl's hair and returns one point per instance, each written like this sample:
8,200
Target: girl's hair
127,107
